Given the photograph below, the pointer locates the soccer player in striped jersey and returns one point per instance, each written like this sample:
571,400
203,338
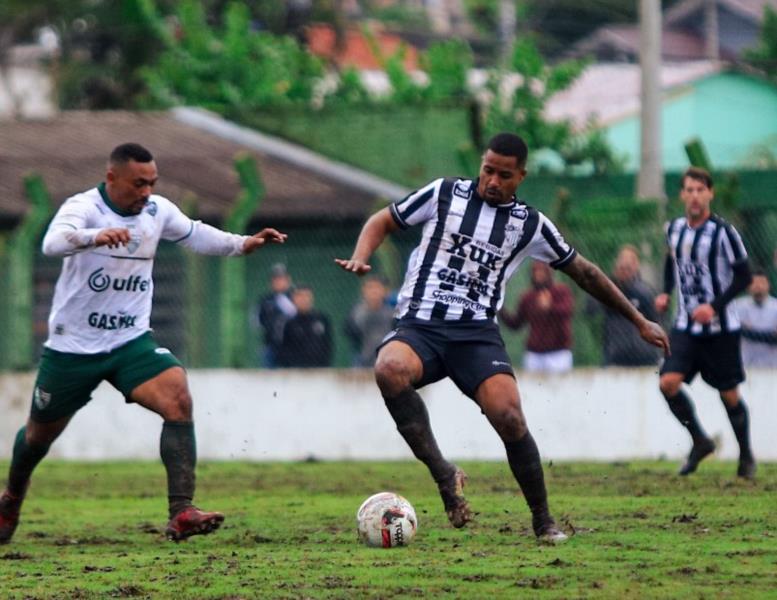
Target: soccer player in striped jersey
99,327
707,263
476,233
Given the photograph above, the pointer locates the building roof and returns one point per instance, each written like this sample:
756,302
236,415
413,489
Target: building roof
610,92
751,10
195,158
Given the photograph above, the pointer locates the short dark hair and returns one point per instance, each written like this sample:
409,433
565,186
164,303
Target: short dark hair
758,272
698,174
124,153
509,144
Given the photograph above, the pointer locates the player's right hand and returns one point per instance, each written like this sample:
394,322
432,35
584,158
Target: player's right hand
113,237
654,334
354,266
661,302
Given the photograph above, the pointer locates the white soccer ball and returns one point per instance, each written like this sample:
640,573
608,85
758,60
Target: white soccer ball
386,520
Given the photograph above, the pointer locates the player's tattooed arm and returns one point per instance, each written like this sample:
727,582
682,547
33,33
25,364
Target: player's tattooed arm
591,279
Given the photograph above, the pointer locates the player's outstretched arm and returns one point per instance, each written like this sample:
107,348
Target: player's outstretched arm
375,230
591,278
268,235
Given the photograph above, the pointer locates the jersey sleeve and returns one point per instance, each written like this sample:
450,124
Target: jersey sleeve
418,207
732,246
69,231
548,245
198,236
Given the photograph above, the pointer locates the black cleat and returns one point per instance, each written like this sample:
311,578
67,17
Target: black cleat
700,449
746,468
452,493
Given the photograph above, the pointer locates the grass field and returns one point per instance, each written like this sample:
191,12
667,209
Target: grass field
95,531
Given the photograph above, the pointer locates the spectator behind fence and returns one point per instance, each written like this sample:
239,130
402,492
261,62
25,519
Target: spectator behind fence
369,322
622,347
547,308
274,310
758,315
307,336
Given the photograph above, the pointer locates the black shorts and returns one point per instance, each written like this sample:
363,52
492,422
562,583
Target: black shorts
716,357
468,352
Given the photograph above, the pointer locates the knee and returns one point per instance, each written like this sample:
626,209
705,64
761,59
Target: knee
669,386
392,376
178,404
509,422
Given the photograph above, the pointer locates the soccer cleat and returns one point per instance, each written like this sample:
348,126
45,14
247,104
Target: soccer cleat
192,521
746,468
9,516
549,534
452,494
699,450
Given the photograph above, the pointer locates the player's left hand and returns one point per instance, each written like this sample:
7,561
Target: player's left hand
654,334
260,239
703,314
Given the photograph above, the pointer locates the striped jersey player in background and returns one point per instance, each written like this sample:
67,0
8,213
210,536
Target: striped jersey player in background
476,233
707,263
99,327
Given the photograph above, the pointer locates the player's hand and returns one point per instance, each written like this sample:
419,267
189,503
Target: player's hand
354,266
113,237
654,334
661,302
267,235
703,314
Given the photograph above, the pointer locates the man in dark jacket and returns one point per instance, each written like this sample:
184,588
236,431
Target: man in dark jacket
307,336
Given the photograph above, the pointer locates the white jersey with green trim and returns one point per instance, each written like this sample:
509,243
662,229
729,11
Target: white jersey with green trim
102,299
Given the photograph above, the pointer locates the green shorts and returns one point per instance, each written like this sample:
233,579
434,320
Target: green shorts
66,381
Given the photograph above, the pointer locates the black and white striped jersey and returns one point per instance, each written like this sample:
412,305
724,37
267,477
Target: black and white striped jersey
468,250
704,259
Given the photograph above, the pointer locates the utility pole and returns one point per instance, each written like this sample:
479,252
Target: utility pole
650,183
507,22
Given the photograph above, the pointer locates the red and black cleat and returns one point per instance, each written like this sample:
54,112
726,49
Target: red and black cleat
192,521
9,516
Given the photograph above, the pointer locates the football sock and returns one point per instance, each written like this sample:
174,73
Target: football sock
524,459
412,419
178,449
25,458
682,408
740,423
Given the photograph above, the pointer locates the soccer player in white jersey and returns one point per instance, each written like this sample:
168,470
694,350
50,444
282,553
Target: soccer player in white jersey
475,235
707,262
99,327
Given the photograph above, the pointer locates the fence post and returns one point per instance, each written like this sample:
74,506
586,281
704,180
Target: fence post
234,331
21,252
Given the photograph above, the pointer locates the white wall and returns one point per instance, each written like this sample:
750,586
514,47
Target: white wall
289,415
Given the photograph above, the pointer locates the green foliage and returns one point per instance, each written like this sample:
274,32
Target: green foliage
764,56
232,67
640,532
447,64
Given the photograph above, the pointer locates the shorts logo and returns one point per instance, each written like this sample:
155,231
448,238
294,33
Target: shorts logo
388,336
41,398
162,351
500,363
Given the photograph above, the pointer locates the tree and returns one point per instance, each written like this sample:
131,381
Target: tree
764,56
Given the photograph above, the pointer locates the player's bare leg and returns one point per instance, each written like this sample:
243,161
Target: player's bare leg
31,445
167,394
396,368
682,408
740,422
499,399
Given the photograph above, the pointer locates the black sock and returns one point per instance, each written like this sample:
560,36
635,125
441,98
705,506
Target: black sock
25,458
740,423
412,419
178,449
524,459
682,408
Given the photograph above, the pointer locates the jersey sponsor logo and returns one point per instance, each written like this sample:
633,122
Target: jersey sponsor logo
462,190
99,282
111,322
460,279
447,298
519,212
465,247
41,398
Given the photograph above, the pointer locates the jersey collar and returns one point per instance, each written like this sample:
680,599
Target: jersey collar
109,202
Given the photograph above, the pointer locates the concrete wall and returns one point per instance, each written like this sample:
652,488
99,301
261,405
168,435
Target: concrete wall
290,415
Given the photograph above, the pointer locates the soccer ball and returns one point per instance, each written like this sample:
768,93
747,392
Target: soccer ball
386,520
